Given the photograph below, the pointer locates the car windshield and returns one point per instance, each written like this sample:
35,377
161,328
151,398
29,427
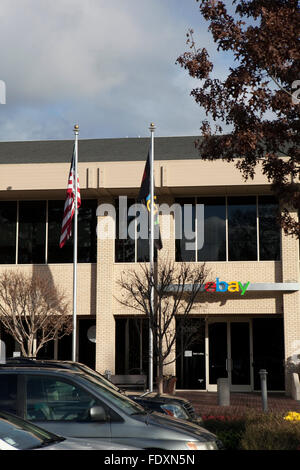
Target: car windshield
15,433
115,397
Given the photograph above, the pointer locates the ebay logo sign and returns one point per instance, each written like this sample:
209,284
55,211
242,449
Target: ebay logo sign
222,286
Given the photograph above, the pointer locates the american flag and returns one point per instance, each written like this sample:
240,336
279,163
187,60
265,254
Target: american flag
69,209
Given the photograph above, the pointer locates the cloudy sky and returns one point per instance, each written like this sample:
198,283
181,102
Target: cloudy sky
108,65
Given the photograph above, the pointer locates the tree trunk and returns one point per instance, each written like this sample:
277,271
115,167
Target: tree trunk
160,379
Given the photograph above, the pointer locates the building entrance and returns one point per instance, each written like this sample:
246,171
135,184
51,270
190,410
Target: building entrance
233,348
230,354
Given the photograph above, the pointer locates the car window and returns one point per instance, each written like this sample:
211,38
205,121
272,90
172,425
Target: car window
53,399
116,398
8,393
18,434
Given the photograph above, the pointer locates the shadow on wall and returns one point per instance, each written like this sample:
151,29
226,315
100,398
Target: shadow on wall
48,350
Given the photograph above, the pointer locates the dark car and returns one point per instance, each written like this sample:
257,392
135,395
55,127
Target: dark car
167,404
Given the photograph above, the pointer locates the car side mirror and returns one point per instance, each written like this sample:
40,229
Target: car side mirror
98,413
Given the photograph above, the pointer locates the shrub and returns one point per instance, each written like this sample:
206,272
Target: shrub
229,429
271,432
256,431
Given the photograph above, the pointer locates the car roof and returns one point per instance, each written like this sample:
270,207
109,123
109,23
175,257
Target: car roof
4,368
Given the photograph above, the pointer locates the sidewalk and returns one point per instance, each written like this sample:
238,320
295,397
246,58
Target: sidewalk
206,403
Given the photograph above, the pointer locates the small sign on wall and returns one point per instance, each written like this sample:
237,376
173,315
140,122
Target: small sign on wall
188,353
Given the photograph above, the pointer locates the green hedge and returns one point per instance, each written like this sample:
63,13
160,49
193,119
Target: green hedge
253,431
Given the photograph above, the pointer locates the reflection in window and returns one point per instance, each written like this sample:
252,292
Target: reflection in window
242,228
32,232
132,346
214,247
55,217
87,236
135,247
50,399
8,393
269,230
8,218
87,240
183,244
124,247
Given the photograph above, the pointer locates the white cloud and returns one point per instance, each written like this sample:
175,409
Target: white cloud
108,65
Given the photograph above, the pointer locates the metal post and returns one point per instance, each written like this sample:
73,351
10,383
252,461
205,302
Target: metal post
74,338
223,392
2,352
151,250
264,394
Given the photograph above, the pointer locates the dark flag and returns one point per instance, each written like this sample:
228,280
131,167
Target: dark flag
144,198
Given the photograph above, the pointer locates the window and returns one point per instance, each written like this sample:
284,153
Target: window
132,345
214,247
235,229
269,230
187,225
8,222
133,248
242,229
124,247
8,393
32,232
53,399
87,237
55,217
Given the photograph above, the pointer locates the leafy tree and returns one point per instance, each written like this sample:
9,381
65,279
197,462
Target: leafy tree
258,100
32,311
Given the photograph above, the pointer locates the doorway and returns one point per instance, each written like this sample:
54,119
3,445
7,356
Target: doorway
230,354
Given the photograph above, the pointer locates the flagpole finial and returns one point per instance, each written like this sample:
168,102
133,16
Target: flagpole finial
152,127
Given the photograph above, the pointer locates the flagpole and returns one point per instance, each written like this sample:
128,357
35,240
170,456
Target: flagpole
74,338
151,249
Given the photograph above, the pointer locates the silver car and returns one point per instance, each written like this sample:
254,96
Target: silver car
73,404
18,434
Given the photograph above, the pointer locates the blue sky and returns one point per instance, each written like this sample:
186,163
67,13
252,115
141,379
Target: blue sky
108,65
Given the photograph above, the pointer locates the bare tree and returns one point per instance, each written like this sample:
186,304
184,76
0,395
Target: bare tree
176,287
32,311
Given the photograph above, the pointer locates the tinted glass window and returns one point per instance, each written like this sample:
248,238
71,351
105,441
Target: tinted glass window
214,247
242,228
15,433
8,218
52,399
185,243
124,247
143,252
269,230
32,232
87,240
8,393
55,217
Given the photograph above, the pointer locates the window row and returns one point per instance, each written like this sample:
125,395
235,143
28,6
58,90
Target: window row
229,229
213,229
30,232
